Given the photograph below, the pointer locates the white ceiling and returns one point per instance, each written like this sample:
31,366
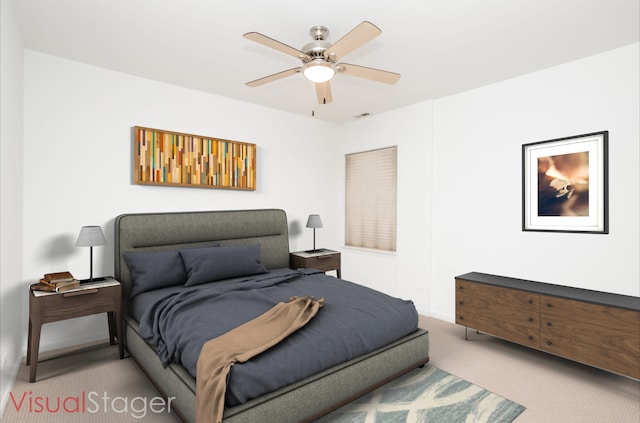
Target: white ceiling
440,47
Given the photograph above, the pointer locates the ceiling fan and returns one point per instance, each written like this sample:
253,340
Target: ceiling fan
319,58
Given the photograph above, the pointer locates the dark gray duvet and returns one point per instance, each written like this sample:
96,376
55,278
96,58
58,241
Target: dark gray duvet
354,320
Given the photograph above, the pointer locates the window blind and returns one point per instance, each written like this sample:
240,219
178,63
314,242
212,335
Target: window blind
371,199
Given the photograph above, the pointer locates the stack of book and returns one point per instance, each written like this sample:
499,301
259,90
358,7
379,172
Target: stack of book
56,282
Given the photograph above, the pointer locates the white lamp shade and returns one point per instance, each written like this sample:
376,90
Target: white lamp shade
90,236
314,221
318,71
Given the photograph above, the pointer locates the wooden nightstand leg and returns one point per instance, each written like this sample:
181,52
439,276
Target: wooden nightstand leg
338,274
115,331
112,331
29,343
33,346
118,324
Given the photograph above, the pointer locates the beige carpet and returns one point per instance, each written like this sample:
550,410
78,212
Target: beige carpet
552,389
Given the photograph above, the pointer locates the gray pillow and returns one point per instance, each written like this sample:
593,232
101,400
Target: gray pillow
155,270
213,264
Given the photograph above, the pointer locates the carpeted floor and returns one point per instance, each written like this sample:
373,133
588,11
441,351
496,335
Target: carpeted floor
552,389
92,385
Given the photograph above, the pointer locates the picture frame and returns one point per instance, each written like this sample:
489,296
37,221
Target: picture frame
170,158
565,184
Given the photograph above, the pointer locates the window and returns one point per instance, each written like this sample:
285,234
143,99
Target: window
371,198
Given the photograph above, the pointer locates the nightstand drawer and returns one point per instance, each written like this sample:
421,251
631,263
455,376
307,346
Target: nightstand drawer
324,262
79,303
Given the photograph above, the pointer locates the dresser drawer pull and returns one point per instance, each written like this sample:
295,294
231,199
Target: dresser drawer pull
461,303
461,318
530,319
82,292
324,257
549,324
549,343
549,305
530,301
530,338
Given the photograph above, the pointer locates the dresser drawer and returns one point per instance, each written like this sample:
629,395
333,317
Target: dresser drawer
593,355
503,329
598,315
587,334
511,297
466,304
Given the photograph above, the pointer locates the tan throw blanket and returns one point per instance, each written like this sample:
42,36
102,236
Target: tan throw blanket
218,355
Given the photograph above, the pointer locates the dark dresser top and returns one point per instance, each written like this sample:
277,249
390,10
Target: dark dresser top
596,297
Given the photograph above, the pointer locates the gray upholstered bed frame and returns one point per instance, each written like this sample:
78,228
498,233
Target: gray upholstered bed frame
305,400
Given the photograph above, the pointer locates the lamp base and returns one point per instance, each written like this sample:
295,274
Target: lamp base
92,280
319,250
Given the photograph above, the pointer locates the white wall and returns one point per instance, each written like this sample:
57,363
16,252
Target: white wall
406,273
477,184
78,160
459,205
12,311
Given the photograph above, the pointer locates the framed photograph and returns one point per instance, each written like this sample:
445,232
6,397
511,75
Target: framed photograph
176,159
564,184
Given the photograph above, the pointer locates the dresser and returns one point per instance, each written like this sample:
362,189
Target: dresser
596,328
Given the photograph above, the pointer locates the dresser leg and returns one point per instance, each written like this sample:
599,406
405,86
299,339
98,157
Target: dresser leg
466,335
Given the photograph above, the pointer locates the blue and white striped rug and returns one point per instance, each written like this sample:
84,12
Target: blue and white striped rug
427,395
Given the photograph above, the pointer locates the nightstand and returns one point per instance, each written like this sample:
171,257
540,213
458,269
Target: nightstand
321,259
89,298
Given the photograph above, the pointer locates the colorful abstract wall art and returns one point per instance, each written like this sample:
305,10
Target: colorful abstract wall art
176,159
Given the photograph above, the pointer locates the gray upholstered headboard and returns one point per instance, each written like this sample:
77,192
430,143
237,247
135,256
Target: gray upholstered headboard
142,232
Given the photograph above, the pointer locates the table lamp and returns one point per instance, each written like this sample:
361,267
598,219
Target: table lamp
91,236
314,222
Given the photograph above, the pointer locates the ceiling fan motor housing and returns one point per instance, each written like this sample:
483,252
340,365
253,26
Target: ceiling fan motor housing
315,49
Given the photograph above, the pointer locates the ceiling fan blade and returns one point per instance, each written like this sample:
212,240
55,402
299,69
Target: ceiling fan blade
274,77
358,36
369,73
323,92
270,42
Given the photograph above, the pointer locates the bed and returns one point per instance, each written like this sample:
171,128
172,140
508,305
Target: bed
306,399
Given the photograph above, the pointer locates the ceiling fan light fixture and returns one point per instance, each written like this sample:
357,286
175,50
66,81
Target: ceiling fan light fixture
318,71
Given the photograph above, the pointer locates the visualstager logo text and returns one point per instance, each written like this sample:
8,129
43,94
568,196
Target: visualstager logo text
90,402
